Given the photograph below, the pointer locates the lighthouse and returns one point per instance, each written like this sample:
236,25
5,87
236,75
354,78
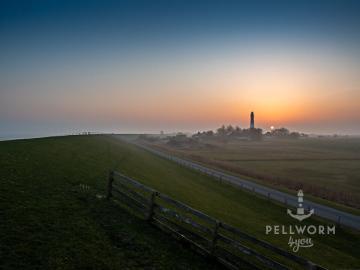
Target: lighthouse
252,120
300,212
300,209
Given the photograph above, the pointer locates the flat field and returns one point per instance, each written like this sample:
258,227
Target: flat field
50,221
327,168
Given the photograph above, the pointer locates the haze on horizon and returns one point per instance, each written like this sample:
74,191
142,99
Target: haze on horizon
146,66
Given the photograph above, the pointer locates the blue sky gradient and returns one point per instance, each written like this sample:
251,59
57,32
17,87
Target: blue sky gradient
61,61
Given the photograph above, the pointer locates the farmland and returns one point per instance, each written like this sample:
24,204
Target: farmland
52,221
326,168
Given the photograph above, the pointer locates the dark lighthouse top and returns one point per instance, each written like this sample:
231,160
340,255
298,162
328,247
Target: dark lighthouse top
252,120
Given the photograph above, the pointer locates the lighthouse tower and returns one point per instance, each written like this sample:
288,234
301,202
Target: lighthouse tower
252,120
300,209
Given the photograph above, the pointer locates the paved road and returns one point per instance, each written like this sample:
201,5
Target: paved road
332,214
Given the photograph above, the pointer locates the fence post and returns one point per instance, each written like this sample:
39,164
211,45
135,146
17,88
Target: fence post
109,187
215,237
151,206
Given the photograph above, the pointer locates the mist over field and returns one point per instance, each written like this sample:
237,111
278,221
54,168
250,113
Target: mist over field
179,134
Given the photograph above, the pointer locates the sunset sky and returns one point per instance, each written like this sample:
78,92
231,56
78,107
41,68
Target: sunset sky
146,66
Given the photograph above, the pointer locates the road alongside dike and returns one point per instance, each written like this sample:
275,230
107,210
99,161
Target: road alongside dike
337,216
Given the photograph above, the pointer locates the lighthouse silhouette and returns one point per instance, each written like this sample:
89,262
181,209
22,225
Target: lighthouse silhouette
252,120
300,213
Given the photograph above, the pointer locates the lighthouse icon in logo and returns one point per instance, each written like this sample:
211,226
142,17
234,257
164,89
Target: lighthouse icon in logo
300,213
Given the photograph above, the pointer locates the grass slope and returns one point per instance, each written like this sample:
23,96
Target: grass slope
328,168
48,173
48,220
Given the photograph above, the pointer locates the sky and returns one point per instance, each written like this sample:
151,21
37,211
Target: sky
147,66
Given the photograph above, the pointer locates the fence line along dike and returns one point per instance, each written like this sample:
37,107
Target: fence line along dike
208,236
323,211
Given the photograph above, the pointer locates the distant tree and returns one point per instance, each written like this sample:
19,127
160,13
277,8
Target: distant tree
237,132
177,140
268,133
304,135
229,129
221,131
203,134
209,133
280,132
252,133
294,135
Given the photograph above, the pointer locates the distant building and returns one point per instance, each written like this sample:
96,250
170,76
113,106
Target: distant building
252,120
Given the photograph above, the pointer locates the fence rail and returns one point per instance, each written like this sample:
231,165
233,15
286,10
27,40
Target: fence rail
334,215
213,238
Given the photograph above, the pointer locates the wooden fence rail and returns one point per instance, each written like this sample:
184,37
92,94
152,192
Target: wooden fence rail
207,235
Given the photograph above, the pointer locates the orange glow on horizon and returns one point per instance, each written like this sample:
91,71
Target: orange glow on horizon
280,92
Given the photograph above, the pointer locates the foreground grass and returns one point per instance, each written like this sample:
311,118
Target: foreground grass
42,204
53,216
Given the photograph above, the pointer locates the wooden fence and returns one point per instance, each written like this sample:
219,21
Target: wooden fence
207,235
339,217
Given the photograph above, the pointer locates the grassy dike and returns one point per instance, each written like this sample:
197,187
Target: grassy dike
52,216
48,220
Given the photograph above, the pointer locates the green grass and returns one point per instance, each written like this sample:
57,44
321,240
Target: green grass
285,189
42,200
48,221
328,169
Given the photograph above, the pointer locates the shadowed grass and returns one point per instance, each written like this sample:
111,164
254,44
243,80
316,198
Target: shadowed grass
62,224
53,215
